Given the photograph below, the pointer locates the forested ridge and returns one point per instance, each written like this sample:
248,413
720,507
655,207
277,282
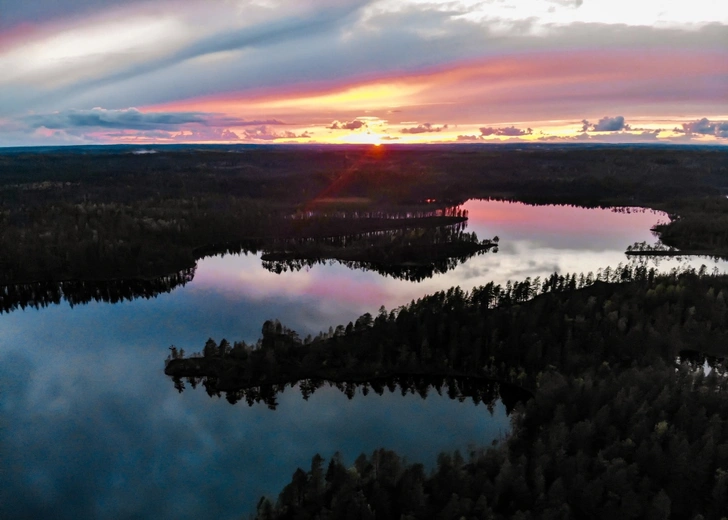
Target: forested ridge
617,427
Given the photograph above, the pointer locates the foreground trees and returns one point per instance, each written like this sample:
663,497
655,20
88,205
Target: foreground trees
633,443
628,417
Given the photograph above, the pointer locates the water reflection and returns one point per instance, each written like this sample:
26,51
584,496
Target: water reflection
92,428
461,388
534,241
75,292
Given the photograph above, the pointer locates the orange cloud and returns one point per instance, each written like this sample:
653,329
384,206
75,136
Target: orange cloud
524,84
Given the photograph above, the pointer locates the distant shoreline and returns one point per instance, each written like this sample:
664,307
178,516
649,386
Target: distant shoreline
686,252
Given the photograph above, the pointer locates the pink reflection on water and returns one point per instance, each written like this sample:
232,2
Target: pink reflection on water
245,277
572,224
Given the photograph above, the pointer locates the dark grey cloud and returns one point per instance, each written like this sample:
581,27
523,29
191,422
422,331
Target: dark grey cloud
134,119
351,125
423,129
508,131
611,124
131,118
466,138
606,124
705,126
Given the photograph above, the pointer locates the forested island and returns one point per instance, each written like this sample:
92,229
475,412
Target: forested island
624,422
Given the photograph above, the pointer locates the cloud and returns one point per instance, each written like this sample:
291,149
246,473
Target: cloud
605,124
262,133
43,10
134,119
206,134
130,118
254,122
568,3
423,129
99,125
557,74
351,125
467,138
644,136
705,126
508,131
296,27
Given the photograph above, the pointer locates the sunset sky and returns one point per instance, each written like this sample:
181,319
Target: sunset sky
358,71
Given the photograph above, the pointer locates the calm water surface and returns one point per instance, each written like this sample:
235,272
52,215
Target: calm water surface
91,428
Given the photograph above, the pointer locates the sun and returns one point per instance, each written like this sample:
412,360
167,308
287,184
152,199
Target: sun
362,138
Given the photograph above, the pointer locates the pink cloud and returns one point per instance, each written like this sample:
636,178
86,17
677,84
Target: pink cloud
529,87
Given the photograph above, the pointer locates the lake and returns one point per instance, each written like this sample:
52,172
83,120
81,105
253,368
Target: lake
90,427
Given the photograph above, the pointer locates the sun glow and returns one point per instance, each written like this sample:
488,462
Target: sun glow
360,138
361,97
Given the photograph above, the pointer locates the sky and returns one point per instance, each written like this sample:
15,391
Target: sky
363,71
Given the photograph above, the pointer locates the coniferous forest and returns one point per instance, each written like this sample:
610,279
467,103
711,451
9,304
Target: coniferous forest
621,412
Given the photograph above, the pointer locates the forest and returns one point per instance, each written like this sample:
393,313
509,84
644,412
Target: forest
614,381
109,213
621,414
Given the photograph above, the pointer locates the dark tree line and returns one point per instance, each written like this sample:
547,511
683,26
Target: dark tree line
108,213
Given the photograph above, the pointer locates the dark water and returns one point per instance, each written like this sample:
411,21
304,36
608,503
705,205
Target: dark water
91,428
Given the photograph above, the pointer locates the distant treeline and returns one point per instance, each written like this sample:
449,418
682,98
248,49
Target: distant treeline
108,213
624,423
